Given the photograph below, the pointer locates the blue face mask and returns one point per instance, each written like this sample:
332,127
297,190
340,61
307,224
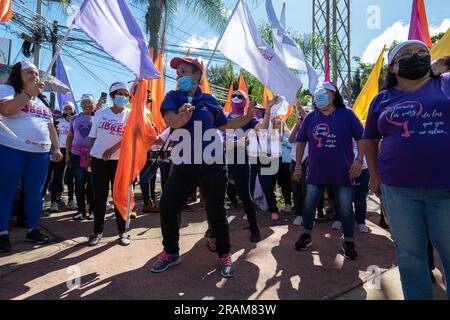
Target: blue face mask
185,83
120,101
322,100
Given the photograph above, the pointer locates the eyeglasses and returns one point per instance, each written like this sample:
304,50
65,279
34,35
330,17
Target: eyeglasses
420,52
238,95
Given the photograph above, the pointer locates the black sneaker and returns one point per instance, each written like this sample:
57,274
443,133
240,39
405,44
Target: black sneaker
36,236
303,243
78,215
348,248
5,245
255,236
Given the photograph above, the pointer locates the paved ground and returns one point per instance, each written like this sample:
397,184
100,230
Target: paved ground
271,269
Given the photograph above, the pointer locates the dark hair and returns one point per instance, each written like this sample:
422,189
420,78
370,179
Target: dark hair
338,100
15,78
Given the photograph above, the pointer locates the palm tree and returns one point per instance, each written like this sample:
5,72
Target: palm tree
158,11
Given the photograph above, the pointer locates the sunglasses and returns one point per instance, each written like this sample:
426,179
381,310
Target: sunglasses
238,95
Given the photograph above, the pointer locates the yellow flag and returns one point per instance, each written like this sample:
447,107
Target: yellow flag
442,48
370,90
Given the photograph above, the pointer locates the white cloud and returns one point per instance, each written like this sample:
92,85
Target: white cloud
195,42
397,32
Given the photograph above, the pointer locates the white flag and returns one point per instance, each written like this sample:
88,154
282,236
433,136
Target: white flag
287,49
242,44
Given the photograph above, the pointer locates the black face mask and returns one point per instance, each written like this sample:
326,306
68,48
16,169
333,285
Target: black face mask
415,67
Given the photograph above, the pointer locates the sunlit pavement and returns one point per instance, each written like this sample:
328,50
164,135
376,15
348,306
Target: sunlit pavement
271,269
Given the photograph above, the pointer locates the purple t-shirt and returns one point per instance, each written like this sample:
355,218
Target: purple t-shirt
414,128
80,125
207,112
330,140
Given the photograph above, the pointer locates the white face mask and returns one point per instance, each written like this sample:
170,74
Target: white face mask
236,100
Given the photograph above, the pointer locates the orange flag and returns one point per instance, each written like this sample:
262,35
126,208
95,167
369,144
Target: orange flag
5,10
157,87
205,86
242,86
138,137
227,105
288,114
267,95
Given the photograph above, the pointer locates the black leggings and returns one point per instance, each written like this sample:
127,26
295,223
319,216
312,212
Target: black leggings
241,176
103,172
59,168
283,178
212,182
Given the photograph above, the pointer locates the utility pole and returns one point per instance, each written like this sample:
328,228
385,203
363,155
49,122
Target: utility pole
54,47
37,42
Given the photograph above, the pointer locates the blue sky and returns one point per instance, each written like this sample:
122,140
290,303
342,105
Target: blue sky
189,30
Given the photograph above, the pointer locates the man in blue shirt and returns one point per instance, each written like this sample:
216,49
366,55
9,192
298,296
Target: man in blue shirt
195,117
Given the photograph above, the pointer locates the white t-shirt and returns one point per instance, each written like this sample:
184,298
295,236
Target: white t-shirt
108,129
294,152
63,129
29,125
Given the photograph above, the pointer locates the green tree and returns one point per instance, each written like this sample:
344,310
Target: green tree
159,11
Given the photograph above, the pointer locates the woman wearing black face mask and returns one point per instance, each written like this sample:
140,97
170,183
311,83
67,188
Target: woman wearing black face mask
63,126
410,120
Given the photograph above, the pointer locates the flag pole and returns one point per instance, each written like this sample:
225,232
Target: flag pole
221,36
58,50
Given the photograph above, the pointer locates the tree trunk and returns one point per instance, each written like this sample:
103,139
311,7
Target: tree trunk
153,19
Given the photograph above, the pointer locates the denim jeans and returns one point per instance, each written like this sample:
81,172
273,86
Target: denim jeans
343,206
411,213
82,178
361,189
30,168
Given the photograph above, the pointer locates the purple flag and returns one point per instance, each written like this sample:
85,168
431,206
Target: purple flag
61,75
113,27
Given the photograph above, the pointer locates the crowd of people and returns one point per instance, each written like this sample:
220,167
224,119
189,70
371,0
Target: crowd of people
401,154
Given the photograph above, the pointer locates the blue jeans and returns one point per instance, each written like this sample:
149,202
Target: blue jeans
361,189
31,167
411,213
82,178
343,207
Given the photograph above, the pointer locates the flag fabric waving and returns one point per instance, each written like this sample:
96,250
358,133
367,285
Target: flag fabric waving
369,91
227,105
418,28
242,43
61,75
442,47
157,88
286,48
138,137
5,10
112,26
205,86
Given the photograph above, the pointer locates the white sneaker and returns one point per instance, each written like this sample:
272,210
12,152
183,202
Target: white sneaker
298,221
108,206
54,207
72,205
363,228
337,225
287,208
